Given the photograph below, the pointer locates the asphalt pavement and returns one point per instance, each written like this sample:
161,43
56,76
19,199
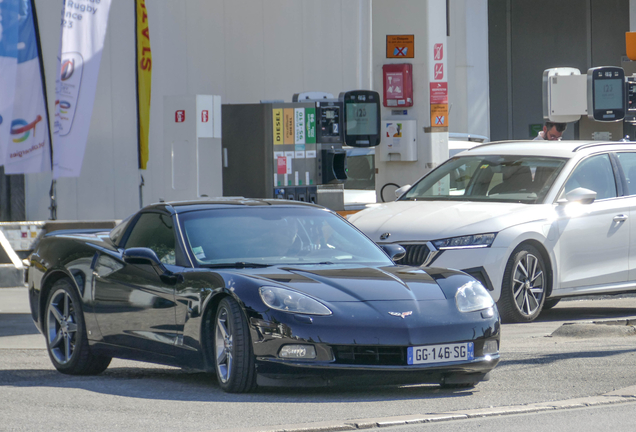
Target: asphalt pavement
579,355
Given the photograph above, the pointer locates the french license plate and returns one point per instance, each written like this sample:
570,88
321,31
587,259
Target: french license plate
440,353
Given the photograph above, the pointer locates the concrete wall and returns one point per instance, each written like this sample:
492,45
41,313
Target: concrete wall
243,50
465,42
468,73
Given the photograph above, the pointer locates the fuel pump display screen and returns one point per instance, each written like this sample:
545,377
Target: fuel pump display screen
361,118
330,121
606,93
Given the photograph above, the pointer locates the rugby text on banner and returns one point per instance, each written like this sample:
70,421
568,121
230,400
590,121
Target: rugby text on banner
144,80
83,31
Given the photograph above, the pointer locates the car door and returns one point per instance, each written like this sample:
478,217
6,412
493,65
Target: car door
628,164
134,307
594,238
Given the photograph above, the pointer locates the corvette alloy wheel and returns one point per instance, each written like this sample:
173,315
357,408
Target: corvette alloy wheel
65,331
233,353
524,286
223,338
61,326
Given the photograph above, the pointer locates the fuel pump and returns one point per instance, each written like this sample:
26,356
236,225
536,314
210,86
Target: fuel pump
598,100
294,150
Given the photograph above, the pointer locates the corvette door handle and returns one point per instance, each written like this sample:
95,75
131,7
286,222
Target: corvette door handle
620,218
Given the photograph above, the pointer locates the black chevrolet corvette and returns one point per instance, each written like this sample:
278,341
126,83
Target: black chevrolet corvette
263,292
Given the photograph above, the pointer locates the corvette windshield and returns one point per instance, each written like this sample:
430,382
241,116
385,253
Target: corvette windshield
522,179
275,235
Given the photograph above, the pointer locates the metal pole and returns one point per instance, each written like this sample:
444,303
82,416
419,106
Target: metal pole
141,193
53,208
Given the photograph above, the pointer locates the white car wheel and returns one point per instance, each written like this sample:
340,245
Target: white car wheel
524,286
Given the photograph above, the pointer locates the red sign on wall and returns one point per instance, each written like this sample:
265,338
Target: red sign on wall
438,51
439,92
204,116
439,71
179,116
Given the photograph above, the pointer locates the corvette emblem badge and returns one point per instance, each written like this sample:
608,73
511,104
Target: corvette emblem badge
402,314
385,236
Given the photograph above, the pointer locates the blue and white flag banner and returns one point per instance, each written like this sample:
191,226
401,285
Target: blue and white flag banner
83,31
8,66
28,149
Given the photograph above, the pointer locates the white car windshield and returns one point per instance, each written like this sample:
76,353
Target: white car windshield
523,179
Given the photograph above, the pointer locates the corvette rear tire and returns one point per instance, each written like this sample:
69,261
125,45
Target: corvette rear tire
524,286
65,333
233,353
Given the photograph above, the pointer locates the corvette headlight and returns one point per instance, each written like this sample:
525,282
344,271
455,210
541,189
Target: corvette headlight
472,296
291,301
466,242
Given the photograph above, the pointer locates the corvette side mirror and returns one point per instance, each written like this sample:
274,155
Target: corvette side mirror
394,251
142,255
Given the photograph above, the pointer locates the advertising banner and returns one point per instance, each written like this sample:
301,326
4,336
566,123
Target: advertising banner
28,148
8,66
144,80
83,31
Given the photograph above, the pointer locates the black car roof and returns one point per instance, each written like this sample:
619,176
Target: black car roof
225,202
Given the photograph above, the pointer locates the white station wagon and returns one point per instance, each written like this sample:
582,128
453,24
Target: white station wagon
534,221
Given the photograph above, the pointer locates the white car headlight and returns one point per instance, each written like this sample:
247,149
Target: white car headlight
466,242
291,301
472,296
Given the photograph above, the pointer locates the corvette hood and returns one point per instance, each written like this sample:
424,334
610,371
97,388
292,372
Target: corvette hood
432,220
346,283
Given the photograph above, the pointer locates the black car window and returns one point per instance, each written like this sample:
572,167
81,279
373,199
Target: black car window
628,162
154,231
117,233
594,173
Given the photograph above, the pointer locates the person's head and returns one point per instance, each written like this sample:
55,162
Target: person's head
553,131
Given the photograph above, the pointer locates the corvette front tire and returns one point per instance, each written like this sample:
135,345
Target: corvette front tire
234,358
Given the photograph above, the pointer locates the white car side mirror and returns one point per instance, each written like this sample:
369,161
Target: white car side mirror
402,190
582,195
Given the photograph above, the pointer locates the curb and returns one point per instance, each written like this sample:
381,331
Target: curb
615,397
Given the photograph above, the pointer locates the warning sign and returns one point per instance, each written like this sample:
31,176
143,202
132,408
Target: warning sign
439,115
438,51
439,92
400,46
439,71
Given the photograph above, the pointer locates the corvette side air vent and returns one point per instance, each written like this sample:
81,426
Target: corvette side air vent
416,254
369,355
